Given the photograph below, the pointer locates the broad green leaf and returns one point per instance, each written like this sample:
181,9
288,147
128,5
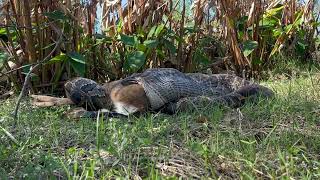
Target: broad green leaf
59,58
26,70
151,32
77,57
141,47
241,23
56,15
3,31
189,30
170,45
135,60
151,43
79,68
77,62
127,40
267,23
248,47
273,11
158,30
277,32
288,28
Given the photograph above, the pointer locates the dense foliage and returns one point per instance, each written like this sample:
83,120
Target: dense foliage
106,40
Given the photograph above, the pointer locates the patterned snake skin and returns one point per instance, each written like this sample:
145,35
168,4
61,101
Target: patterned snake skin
170,89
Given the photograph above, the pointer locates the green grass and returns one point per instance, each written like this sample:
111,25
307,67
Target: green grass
278,138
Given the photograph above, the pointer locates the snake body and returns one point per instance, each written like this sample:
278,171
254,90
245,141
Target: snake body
164,88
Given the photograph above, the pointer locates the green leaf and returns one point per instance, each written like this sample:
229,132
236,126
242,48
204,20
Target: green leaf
151,43
257,61
77,57
56,15
190,30
277,32
141,47
26,70
200,57
79,68
273,11
151,32
248,47
58,58
302,45
241,23
140,32
3,31
127,40
77,62
158,30
3,56
170,45
135,60
119,26
160,54
267,23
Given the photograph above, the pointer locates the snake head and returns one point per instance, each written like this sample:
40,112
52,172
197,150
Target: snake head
87,94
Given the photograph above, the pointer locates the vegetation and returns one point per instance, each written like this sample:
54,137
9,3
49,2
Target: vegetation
272,139
106,40
52,41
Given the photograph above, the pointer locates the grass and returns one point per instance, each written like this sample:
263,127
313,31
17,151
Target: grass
278,138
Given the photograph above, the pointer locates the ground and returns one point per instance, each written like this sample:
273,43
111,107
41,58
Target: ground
277,138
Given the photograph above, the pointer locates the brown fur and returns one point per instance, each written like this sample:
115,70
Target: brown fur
132,94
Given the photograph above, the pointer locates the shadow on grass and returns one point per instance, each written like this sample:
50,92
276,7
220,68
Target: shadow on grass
273,138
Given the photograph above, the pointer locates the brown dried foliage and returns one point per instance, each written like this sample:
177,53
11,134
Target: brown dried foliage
35,36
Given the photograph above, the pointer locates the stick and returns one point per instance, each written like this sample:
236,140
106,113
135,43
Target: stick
15,113
21,93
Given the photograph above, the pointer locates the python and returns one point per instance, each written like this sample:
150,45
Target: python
164,90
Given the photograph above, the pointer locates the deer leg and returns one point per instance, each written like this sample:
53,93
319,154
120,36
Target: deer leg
48,101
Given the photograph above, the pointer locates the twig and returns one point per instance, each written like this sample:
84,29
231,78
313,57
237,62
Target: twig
16,69
31,64
15,113
22,92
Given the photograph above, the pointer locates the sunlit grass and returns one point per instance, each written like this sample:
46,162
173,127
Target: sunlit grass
278,138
